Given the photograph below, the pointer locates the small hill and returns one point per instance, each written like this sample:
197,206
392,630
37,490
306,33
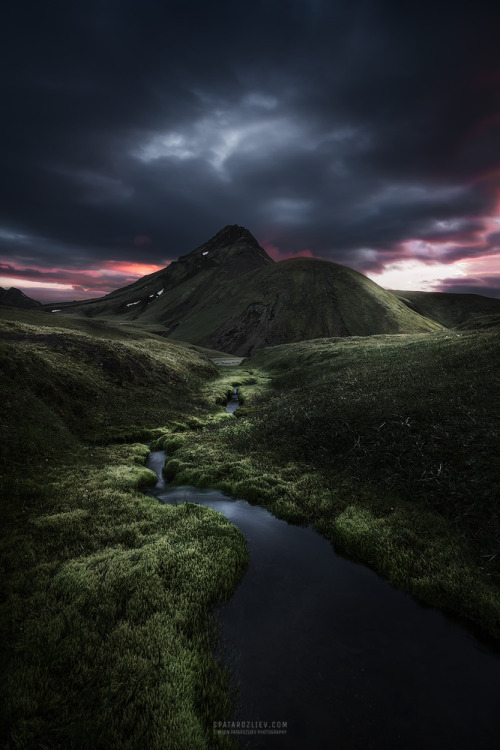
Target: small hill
296,300
449,309
96,381
16,298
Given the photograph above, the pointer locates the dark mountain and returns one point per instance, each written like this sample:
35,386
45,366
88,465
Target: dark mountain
16,298
229,295
167,296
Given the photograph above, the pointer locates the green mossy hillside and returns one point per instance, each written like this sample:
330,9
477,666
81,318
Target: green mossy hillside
97,388
107,596
449,309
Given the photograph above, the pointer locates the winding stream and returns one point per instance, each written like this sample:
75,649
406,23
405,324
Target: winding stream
335,652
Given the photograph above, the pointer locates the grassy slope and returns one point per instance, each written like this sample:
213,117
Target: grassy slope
305,298
450,309
106,595
388,445
164,299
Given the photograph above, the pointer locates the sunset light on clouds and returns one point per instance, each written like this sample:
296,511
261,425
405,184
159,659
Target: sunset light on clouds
474,266
366,134
62,284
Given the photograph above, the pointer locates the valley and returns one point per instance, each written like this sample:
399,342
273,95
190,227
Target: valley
384,441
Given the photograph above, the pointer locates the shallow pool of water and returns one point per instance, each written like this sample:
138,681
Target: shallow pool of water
337,653
234,402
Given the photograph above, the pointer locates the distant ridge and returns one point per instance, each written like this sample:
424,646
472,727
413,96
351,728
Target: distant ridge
229,295
14,297
448,308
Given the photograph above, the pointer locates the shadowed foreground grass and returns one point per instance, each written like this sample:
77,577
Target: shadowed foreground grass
106,631
388,445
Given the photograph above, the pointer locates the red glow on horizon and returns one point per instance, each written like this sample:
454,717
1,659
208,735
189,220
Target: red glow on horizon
277,255
60,284
439,248
134,269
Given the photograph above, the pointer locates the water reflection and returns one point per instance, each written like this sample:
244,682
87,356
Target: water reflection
345,659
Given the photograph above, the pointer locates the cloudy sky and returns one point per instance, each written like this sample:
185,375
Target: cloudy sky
361,131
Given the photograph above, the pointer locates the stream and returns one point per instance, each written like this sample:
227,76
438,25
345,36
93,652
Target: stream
234,402
335,654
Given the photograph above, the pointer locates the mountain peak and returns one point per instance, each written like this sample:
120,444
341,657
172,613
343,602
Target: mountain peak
229,235
234,250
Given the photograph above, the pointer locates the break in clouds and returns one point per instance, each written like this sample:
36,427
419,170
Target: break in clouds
365,133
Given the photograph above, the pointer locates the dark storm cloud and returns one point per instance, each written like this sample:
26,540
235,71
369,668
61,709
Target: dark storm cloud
494,239
336,127
488,286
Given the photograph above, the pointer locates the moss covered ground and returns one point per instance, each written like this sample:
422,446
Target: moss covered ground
106,624
387,445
